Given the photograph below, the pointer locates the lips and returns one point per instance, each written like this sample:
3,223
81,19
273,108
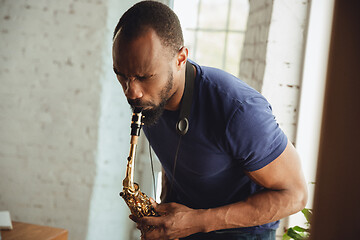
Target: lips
147,108
134,102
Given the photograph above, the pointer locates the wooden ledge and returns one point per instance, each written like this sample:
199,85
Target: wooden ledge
26,231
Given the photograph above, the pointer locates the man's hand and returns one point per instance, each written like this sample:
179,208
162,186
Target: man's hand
175,221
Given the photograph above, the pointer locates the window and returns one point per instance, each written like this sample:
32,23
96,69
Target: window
214,31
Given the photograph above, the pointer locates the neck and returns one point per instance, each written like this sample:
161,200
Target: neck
179,85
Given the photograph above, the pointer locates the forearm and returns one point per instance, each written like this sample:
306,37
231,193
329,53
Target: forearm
261,208
285,194
176,220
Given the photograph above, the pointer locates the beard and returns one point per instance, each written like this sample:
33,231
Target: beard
153,114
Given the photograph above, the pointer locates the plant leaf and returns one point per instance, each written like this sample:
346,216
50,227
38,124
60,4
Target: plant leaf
300,229
291,233
286,237
307,213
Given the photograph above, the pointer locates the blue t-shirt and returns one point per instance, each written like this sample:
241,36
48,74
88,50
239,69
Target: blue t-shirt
232,130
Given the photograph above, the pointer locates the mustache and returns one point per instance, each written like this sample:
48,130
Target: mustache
134,102
138,103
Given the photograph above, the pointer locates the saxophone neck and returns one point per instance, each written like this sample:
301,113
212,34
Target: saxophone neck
136,124
128,182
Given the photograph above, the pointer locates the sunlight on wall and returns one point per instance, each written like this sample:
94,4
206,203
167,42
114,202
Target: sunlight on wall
108,213
312,93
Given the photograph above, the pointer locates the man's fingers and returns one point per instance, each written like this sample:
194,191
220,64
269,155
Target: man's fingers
139,227
151,221
153,234
153,202
134,218
165,208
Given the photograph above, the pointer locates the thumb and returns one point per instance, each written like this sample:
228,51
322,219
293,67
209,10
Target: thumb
153,202
159,208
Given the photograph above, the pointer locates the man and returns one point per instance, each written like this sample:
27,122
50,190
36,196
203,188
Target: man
234,174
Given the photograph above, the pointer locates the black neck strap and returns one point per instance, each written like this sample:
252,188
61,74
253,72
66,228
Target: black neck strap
182,125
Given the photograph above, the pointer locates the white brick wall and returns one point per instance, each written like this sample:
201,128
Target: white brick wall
284,61
64,121
253,59
52,75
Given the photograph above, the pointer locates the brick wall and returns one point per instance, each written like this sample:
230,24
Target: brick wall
253,57
284,61
64,121
51,64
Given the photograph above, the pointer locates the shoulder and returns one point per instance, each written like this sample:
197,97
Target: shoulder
222,86
220,94
222,101
239,117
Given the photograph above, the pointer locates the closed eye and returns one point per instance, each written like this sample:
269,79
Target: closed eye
145,77
138,77
142,78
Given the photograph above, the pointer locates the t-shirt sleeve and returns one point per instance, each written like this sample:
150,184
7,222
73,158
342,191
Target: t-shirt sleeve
253,136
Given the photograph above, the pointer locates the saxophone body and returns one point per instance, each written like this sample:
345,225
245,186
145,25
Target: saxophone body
138,202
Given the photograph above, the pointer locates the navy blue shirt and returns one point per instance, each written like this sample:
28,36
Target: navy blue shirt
232,130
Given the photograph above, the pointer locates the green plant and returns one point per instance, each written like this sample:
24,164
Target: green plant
299,233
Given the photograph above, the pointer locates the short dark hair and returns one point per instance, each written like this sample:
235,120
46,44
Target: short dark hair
154,15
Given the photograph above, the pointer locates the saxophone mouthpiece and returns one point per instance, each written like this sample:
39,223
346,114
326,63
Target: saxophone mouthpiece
138,109
136,122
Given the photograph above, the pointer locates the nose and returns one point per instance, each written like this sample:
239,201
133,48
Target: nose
133,89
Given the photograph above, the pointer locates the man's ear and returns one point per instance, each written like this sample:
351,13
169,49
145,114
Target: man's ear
182,57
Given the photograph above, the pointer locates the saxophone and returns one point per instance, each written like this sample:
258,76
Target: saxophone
136,200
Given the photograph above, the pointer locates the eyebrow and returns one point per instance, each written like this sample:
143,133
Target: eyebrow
136,76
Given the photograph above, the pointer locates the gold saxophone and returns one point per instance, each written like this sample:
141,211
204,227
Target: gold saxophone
136,200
